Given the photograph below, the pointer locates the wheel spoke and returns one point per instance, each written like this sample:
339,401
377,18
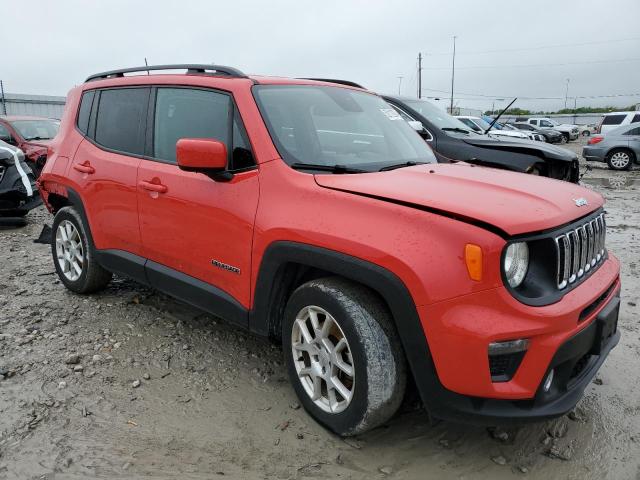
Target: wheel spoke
344,366
326,326
313,316
317,388
302,326
342,390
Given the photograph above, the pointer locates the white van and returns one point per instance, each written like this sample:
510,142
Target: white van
616,119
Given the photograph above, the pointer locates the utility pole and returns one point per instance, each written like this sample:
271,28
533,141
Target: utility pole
400,77
566,95
4,102
453,73
419,75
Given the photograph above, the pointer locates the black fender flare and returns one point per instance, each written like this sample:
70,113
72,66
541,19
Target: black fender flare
382,281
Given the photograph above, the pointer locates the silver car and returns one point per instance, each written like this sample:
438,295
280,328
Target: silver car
619,148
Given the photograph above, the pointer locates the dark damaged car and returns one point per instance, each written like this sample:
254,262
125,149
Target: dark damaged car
18,191
450,139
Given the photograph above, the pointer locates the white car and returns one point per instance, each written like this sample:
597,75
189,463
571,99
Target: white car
569,131
477,124
616,119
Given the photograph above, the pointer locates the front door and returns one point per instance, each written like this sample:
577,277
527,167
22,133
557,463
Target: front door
196,229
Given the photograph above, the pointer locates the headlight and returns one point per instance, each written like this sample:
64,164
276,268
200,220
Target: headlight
516,263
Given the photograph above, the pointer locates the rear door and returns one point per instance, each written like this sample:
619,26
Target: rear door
197,231
634,141
106,162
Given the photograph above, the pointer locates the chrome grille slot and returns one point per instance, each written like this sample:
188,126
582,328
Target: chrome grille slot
579,250
2,169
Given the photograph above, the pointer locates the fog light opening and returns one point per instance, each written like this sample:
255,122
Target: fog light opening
548,381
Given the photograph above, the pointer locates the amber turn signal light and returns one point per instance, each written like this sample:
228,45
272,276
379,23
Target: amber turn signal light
473,259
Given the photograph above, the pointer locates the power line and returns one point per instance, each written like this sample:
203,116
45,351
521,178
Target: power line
481,95
538,64
541,47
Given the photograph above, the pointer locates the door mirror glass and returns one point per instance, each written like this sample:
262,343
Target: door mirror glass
201,154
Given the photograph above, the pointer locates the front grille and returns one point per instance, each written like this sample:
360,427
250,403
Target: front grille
579,250
2,170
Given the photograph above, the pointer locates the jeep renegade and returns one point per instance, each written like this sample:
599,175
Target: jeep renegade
311,213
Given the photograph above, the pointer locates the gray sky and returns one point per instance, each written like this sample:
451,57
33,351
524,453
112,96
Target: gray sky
54,45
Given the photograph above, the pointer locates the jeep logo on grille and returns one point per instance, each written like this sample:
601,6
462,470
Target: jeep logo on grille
581,202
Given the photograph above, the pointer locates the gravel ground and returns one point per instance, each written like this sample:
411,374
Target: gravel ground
129,383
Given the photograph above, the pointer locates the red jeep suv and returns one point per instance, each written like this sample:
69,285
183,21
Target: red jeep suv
311,213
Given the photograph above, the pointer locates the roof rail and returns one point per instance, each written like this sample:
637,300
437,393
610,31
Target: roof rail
349,83
190,68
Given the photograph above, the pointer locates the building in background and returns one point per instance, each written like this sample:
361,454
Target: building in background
35,105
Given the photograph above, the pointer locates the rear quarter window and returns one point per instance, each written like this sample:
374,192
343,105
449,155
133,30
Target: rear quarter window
613,119
636,118
84,112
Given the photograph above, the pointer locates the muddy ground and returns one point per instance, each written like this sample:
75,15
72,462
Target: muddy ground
213,401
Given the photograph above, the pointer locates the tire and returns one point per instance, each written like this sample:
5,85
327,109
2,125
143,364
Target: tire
371,348
566,138
620,159
68,238
586,133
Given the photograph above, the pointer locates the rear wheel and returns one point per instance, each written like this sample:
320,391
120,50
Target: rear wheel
620,159
74,256
343,355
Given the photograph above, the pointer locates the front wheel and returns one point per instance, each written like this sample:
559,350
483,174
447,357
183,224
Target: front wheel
343,355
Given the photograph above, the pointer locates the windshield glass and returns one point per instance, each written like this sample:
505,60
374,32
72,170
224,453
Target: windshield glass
438,117
36,129
338,126
482,124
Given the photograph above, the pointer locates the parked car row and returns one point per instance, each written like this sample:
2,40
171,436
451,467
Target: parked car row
312,213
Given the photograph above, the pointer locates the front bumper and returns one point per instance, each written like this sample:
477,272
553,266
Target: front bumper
565,336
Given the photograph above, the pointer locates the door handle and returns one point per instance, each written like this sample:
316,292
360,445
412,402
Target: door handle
153,187
84,167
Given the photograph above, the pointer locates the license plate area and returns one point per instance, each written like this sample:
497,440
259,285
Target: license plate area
606,325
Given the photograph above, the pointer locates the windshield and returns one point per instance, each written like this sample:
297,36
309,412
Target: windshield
438,117
482,124
36,129
338,126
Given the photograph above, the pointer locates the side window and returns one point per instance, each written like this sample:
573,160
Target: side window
633,131
5,136
544,123
613,119
533,122
188,113
242,156
120,122
636,118
84,111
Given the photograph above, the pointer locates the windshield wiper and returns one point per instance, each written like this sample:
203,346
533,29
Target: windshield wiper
37,138
410,163
456,129
326,168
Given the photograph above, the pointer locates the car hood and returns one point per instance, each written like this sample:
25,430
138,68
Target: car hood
522,145
514,203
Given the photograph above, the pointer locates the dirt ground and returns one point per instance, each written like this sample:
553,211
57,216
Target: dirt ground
132,384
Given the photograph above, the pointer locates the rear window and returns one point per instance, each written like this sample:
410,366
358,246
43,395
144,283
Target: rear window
613,119
636,118
120,122
85,111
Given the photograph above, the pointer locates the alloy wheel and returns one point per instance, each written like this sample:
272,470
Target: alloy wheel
322,359
69,250
620,160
